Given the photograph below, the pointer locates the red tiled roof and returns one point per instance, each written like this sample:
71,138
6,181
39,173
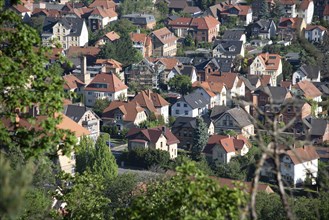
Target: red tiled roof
128,109
164,35
204,23
295,22
110,62
311,27
112,82
72,82
287,2
21,8
270,61
309,89
304,4
224,141
103,3
302,154
169,62
74,51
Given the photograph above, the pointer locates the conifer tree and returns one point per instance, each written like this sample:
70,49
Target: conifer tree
200,138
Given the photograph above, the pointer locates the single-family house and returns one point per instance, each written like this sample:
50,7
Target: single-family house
111,66
207,68
123,115
315,33
296,166
100,17
228,48
152,102
306,10
223,148
288,8
73,84
66,31
85,117
110,37
236,119
235,35
104,86
24,12
191,105
142,42
160,138
214,92
325,14
319,131
184,129
187,70
306,72
177,5
146,21
242,12
164,42
298,110
267,64
263,29
290,28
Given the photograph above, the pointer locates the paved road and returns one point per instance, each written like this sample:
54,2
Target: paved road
122,147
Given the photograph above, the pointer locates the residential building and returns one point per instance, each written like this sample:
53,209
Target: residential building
214,92
306,72
66,31
123,114
290,28
164,43
100,17
110,37
160,138
184,129
306,10
188,70
223,148
104,86
73,84
242,12
146,21
201,29
169,63
177,5
152,102
191,105
207,68
315,33
24,12
263,29
228,48
318,132
111,66
235,35
85,117
326,13
236,119
288,7
143,43
296,165
297,110
267,64
144,73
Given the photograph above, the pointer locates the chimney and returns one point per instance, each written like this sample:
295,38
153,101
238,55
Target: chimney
84,73
164,129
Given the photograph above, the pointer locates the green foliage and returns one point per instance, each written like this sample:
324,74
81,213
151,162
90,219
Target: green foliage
152,121
181,84
171,120
162,7
188,195
269,206
287,70
157,157
131,6
86,199
85,155
232,170
230,132
264,10
200,138
100,106
37,23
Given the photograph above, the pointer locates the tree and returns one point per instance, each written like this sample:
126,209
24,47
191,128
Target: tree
188,195
162,7
85,155
264,10
181,84
287,70
232,170
157,157
200,139
266,211
100,106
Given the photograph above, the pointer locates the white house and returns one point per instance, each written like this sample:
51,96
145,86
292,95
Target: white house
214,92
224,148
267,64
66,31
104,86
187,70
306,72
315,33
191,105
101,17
296,165
306,10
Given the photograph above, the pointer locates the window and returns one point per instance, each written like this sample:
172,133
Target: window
178,104
177,112
186,112
185,105
161,145
89,93
89,100
73,170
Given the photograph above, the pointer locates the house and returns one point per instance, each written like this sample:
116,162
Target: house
75,54
191,105
257,5
193,11
37,12
201,29
235,35
309,91
144,73
306,10
73,84
319,131
110,37
290,28
236,119
288,7
66,31
207,68
214,92
326,13
104,86
152,102
177,5
306,72
223,148
123,114
315,33
111,66
323,153
164,43
101,17
170,64
145,21
263,29
242,12
228,48
184,128
296,166
160,138
24,12
267,64
85,117
107,4
188,70
143,43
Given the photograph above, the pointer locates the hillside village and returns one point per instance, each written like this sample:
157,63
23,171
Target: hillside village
207,80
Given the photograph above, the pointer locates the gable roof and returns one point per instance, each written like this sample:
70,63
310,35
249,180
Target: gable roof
293,23
128,109
164,35
277,94
263,24
194,100
112,36
302,154
224,141
72,82
232,34
308,88
110,62
312,27
21,8
75,51
141,19
75,112
151,101
140,38
304,4
239,115
228,47
318,126
177,4
102,3
168,62
270,61
326,10
312,72
75,25
110,81
218,110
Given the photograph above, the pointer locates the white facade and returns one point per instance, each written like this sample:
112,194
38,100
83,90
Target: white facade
164,111
314,35
212,100
218,153
183,109
300,76
248,18
308,13
91,96
258,68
